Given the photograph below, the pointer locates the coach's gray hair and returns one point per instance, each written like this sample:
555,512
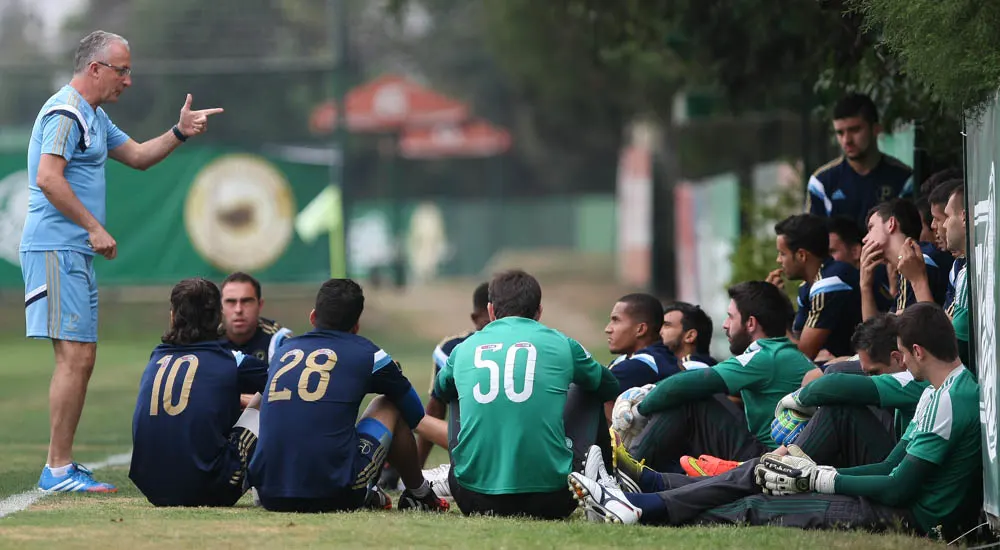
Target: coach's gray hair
93,46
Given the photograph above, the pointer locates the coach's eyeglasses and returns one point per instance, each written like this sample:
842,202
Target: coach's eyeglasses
122,71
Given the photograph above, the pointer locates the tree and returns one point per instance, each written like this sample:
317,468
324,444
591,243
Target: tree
22,88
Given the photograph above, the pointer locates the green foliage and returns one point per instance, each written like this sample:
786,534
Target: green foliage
950,47
753,258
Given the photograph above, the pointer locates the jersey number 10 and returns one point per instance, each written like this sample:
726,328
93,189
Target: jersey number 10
168,393
493,388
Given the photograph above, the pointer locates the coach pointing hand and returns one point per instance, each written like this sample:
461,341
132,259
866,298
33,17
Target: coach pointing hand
65,228
193,123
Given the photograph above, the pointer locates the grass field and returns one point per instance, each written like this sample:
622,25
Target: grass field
126,520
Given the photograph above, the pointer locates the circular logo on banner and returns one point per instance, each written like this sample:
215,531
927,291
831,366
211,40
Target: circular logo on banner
239,213
13,209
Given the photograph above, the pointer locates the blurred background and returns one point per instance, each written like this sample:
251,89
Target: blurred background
591,144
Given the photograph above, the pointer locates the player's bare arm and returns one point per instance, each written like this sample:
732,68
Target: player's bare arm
812,340
52,182
146,154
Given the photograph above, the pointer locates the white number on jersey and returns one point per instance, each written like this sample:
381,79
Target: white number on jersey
509,384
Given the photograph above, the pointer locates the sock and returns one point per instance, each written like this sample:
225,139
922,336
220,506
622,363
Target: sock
422,491
652,506
250,419
60,471
651,482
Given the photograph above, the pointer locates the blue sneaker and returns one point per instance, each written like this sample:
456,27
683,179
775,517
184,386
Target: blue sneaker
77,480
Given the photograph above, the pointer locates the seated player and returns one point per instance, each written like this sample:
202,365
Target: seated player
893,230
955,227
433,429
845,240
634,333
938,199
311,457
687,416
687,331
245,330
436,407
933,477
859,418
512,378
829,301
191,445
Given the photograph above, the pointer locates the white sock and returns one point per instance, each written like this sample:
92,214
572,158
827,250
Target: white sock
250,419
422,491
60,471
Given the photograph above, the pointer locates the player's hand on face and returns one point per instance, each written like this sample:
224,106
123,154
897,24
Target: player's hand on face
775,279
871,256
103,243
193,122
910,262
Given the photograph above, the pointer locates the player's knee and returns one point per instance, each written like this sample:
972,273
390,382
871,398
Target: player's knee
382,409
436,408
75,357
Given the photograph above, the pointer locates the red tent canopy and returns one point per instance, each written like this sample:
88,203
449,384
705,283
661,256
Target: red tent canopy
387,103
475,138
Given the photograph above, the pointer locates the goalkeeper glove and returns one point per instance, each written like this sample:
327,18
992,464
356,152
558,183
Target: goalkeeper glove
791,401
625,417
793,473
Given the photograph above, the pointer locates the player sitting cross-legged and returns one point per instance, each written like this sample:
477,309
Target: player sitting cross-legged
311,456
512,378
191,445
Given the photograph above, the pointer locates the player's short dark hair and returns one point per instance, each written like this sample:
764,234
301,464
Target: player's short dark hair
924,207
241,277
876,336
806,232
481,296
693,317
937,178
959,190
515,293
644,308
906,215
196,305
339,304
765,302
926,325
845,228
853,105
940,195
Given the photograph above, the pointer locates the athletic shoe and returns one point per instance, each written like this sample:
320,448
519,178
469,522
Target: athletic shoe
602,502
627,469
438,477
429,503
706,465
376,499
77,480
593,469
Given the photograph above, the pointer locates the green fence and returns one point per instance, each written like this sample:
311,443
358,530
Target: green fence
983,152
207,211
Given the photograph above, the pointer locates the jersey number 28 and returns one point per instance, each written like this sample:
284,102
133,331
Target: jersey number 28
493,387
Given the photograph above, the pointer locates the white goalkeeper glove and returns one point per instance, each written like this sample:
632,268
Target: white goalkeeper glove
625,417
791,401
793,473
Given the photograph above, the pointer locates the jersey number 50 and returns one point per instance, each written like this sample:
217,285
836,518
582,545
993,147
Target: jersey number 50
493,388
